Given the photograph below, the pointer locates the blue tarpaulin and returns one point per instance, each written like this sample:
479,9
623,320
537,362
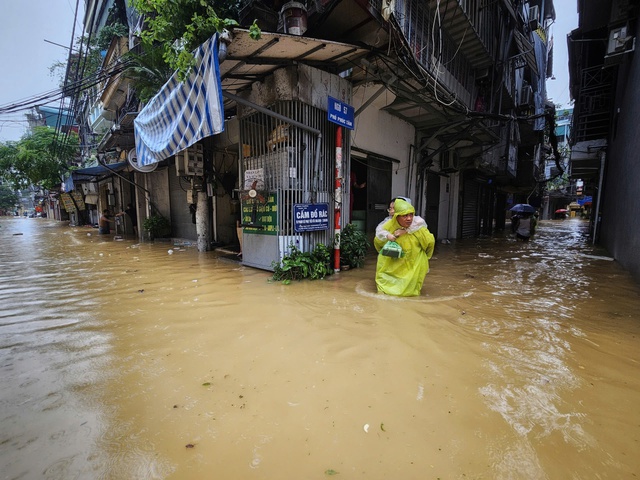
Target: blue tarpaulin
92,174
182,113
539,93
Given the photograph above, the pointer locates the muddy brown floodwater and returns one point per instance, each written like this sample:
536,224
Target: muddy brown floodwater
123,361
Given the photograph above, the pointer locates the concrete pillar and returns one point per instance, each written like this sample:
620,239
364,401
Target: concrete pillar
202,222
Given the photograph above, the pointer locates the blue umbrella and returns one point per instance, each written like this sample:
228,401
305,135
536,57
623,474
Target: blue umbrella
522,208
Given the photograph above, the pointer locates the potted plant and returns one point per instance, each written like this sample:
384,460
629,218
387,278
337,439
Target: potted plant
353,246
156,226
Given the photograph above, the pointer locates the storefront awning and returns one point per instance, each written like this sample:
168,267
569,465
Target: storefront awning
250,60
92,173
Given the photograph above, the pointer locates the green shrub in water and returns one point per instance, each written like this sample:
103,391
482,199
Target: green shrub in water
157,226
353,246
299,265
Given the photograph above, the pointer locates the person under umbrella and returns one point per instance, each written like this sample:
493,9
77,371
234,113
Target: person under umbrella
523,225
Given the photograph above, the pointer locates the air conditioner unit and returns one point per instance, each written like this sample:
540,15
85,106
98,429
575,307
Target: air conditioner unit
619,41
534,17
449,161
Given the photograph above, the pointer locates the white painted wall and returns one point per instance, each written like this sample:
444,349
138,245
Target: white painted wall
379,132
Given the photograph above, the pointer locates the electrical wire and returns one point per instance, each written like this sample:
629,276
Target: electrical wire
55,95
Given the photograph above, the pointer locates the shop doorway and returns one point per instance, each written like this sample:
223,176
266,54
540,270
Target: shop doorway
431,215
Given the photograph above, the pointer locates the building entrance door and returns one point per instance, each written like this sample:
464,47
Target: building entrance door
378,192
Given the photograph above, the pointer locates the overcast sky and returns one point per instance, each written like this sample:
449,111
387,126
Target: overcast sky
25,57
566,20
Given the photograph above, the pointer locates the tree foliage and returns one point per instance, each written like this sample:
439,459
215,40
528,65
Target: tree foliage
8,198
39,158
86,59
178,27
89,62
148,72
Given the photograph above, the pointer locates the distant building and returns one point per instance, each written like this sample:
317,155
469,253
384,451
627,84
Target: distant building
57,118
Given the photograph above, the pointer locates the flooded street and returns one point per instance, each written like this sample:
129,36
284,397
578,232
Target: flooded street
123,361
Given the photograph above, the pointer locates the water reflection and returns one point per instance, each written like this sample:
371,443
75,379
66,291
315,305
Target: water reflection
122,360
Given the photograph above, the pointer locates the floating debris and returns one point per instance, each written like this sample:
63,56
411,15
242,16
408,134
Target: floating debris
598,257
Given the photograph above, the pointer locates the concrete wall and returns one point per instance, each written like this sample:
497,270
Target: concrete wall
157,183
620,227
304,83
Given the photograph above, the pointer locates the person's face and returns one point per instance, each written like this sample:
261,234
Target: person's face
390,209
405,220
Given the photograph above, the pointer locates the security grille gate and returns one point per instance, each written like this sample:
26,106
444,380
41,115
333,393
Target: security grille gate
470,202
280,169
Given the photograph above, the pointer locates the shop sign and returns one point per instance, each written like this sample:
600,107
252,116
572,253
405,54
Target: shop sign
260,214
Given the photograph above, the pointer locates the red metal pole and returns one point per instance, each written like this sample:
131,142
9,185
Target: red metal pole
337,201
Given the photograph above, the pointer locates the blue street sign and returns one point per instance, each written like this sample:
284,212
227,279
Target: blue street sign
309,217
340,113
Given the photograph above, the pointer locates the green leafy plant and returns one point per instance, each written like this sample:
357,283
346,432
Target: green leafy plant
177,27
89,61
157,226
41,157
298,265
353,246
8,198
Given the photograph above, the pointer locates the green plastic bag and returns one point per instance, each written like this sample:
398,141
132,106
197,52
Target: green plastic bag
392,249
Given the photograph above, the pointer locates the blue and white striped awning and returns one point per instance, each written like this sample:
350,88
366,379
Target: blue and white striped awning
182,113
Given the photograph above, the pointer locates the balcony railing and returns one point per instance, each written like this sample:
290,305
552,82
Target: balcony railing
449,39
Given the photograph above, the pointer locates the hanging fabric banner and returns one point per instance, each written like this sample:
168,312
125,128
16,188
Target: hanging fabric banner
182,113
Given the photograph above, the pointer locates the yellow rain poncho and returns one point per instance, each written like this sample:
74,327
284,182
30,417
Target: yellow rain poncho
404,276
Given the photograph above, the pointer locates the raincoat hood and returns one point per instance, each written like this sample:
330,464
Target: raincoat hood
402,207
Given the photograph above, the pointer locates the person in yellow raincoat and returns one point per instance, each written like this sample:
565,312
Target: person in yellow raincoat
404,276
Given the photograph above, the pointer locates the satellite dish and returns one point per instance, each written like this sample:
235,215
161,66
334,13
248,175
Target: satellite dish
133,161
